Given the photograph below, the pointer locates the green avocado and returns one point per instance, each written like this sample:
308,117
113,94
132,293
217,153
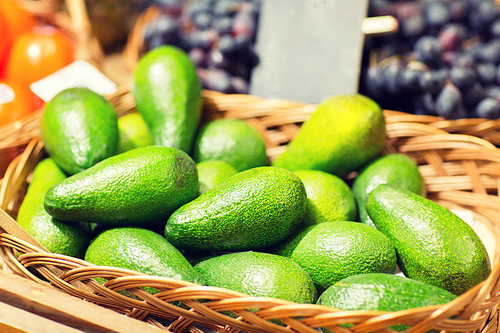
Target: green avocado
167,93
57,236
331,251
250,210
79,128
260,275
398,170
433,244
342,135
140,250
142,186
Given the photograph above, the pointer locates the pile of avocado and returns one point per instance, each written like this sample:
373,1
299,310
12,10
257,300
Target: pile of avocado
201,202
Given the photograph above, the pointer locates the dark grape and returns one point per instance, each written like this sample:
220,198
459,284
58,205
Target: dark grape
437,14
165,26
451,36
428,50
473,95
239,85
463,77
226,44
427,104
487,73
196,7
223,25
483,14
219,80
449,102
392,77
458,10
492,92
432,81
413,26
489,52
224,8
374,81
170,7
244,24
197,56
215,59
202,20
410,79
488,108
495,28
463,60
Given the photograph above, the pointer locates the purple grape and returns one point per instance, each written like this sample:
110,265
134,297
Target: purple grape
374,81
488,108
410,79
392,77
197,56
463,60
165,28
449,102
473,95
428,50
413,26
451,36
487,73
483,14
202,20
169,7
489,52
495,29
432,81
226,44
223,25
239,85
219,80
458,10
463,77
215,59
224,8
244,24
492,92
437,14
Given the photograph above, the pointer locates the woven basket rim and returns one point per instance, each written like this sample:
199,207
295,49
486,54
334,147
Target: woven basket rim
416,137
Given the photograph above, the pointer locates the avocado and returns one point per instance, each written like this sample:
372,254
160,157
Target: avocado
230,140
382,292
342,135
79,128
140,250
433,244
329,198
398,170
213,172
142,186
57,236
260,275
133,132
331,251
167,93
253,209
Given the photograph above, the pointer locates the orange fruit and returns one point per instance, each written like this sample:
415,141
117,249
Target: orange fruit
16,101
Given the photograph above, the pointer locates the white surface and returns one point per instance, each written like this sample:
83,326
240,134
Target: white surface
77,74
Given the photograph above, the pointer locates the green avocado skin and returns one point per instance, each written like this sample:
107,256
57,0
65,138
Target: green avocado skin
251,210
433,245
142,186
140,250
260,275
382,292
167,92
79,128
398,170
57,236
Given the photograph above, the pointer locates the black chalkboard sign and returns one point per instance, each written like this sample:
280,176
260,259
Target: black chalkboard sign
308,49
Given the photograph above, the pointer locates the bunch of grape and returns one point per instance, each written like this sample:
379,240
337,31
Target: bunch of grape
218,35
443,61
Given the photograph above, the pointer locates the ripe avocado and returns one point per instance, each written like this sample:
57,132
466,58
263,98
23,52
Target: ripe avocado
167,92
329,198
57,236
233,141
142,186
79,128
251,210
260,275
342,135
331,251
398,170
140,250
433,244
213,172
382,292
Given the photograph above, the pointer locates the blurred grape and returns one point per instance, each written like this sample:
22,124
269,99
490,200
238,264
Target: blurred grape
449,102
428,50
488,108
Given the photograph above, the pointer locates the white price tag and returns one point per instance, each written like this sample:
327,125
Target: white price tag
77,74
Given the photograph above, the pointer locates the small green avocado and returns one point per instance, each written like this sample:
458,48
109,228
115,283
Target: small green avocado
253,209
142,186
433,244
79,128
167,92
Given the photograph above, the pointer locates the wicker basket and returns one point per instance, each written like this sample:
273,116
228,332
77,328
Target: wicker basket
71,17
460,171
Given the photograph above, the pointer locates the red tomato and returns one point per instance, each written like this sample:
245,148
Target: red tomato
15,101
38,53
14,20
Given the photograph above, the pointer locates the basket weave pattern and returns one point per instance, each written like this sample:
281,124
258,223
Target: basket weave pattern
460,171
72,18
